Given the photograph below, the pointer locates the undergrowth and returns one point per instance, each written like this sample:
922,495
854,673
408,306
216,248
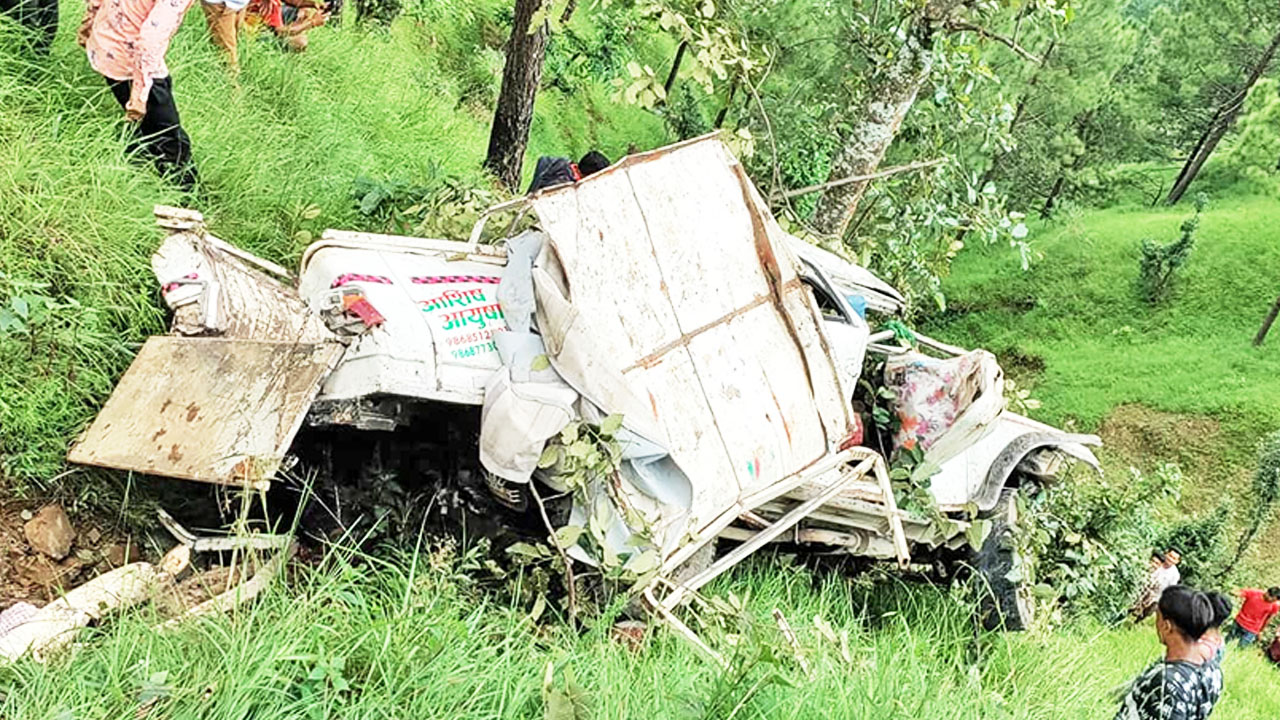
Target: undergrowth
280,154
422,637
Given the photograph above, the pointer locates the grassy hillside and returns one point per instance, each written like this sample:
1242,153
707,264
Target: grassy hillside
278,152
420,641
1179,381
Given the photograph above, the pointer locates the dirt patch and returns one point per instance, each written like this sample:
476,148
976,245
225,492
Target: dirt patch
1137,435
30,576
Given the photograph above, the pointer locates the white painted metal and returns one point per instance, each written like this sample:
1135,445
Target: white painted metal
439,299
666,280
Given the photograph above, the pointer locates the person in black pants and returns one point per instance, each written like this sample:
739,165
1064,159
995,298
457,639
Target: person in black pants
126,41
159,133
40,16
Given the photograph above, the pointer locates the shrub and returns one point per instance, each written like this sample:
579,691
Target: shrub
1090,540
1202,544
1159,263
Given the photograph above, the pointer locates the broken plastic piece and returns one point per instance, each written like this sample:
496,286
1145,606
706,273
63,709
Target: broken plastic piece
362,308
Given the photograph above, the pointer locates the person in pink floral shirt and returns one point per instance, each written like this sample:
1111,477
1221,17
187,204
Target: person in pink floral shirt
126,41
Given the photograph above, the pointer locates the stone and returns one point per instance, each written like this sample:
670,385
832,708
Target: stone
120,554
50,532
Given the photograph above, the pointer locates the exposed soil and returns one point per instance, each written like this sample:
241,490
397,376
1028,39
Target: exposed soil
1140,436
28,575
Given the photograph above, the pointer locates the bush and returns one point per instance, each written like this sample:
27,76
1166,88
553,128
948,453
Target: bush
1091,540
1202,543
1159,263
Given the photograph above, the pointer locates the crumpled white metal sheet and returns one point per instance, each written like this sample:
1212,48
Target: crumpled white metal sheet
667,292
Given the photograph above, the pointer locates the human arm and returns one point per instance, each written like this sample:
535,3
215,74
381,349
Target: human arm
86,25
153,42
301,25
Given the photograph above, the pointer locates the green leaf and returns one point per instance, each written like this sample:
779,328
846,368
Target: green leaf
1044,592
525,550
570,433
9,322
977,533
568,535
610,425
539,605
539,363
537,19
643,562
550,456
311,212
20,307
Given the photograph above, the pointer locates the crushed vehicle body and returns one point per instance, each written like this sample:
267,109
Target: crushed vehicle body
660,291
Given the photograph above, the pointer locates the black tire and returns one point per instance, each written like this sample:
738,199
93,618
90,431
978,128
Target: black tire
1002,603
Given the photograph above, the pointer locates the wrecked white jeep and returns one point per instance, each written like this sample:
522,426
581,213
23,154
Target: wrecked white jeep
659,290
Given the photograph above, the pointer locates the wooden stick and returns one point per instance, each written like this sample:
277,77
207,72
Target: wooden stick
860,178
790,635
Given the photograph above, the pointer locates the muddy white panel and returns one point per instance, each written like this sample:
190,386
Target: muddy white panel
666,265
757,390
602,242
703,234
209,409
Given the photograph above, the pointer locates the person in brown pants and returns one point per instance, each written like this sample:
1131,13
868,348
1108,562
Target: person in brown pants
225,18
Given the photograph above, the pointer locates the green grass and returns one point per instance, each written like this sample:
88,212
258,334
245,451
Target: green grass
421,641
1190,386
1076,309
410,104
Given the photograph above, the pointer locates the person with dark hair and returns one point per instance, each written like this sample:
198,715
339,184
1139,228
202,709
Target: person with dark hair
552,171
1150,594
592,163
1180,686
1255,612
1212,644
39,16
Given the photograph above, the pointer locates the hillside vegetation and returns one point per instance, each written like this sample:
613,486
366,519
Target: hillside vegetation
1176,382
372,121
418,639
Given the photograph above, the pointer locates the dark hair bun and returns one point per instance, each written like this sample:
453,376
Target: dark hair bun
1191,611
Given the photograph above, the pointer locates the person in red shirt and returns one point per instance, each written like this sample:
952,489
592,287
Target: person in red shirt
1257,609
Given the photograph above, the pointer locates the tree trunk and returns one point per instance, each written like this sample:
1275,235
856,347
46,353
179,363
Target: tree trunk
1222,121
724,110
675,67
1049,201
1267,323
520,78
885,104
567,15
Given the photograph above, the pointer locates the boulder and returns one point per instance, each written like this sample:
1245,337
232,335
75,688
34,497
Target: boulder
50,532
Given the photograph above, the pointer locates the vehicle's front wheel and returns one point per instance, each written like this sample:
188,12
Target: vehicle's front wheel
1003,603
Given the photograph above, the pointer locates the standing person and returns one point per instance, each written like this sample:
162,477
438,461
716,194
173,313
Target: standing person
289,20
1171,575
1180,686
1164,575
1150,595
1212,644
126,41
1256,610
224,18
39,16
